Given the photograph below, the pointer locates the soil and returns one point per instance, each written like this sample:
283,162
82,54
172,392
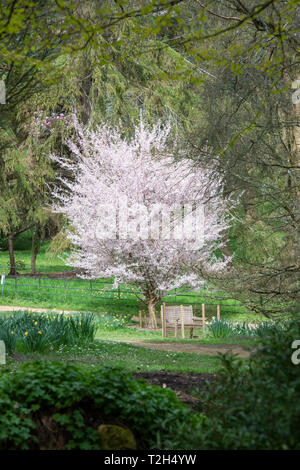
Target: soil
183,384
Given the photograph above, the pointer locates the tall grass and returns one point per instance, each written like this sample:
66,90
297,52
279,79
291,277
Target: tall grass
222,329
34,332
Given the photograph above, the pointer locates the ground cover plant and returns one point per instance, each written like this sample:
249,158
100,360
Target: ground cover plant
73,402
244,407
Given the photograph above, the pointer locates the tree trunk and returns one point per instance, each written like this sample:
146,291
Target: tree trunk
151,303
12,260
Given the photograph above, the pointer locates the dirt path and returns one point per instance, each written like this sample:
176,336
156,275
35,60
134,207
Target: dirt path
196,347
11,308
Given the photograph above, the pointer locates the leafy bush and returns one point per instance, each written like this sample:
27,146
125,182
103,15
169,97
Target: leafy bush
78,401
255,405
34,332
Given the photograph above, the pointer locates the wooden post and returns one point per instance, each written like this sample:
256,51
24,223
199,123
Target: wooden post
164,320
140,319
182,321
203,317
218,312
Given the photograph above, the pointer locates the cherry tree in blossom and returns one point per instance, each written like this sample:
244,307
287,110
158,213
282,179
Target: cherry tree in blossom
138,214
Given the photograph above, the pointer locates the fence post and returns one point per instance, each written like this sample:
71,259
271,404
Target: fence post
16,284
218,312
39,277
140,319
164,324
203,317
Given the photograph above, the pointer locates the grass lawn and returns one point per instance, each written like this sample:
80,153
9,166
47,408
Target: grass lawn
128,357
99,296
96,295
109,348
136,334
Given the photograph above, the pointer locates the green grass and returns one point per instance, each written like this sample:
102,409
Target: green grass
44,258
99,295
108,349
136,334
96,295
129,357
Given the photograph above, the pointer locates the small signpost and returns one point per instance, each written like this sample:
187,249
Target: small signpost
2,353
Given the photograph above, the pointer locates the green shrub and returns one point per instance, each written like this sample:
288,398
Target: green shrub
255,405
79,401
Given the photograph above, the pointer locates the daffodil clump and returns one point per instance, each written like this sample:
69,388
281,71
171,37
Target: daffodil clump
110,321
32,331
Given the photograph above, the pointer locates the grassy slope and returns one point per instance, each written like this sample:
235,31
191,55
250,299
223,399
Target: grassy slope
83,295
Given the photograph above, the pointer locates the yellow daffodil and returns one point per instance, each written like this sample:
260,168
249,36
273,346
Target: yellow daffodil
26,333
40,333
12,333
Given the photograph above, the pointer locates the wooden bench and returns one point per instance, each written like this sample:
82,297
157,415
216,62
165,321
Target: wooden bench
175,316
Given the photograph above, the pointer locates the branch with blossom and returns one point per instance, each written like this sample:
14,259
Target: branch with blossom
108,170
